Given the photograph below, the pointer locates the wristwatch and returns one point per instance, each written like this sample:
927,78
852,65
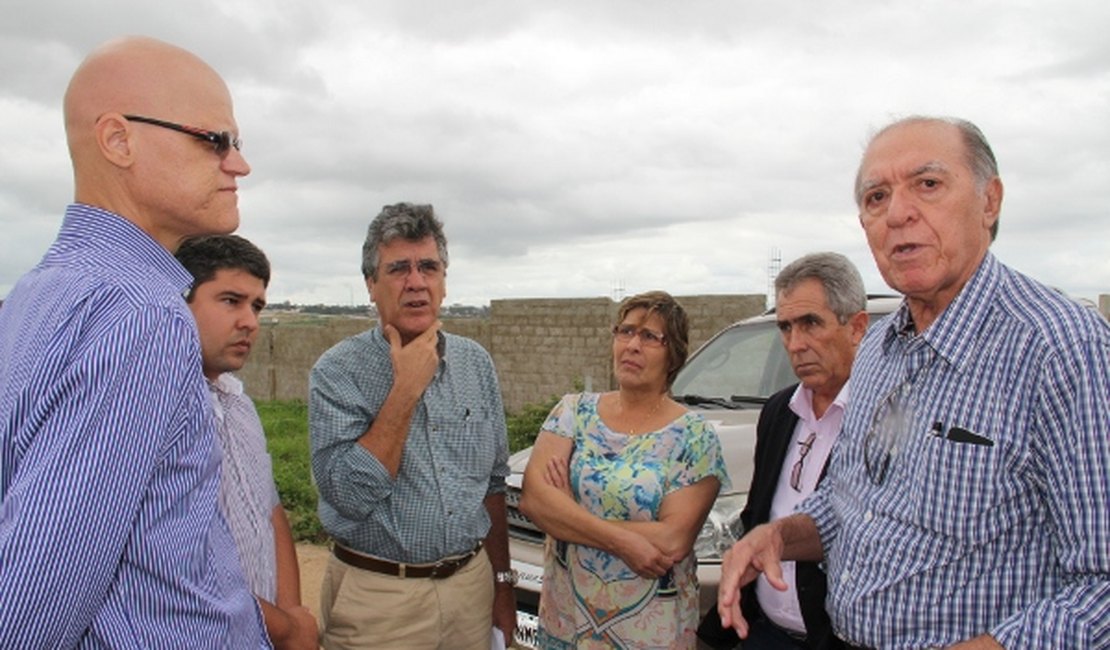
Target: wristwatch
506,577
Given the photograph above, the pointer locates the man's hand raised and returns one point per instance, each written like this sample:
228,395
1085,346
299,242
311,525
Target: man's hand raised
760,551
414,364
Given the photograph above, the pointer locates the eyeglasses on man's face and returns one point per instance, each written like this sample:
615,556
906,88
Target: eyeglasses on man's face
426,267
648,338
221,141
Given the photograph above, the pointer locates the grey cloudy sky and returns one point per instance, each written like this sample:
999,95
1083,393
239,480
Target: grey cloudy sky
584,148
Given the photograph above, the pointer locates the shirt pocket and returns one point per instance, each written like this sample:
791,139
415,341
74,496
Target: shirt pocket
960,486
468,440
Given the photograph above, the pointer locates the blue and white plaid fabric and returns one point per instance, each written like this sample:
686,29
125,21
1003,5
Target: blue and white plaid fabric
455,455
993,514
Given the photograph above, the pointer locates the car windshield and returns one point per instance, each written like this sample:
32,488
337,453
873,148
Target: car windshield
744,364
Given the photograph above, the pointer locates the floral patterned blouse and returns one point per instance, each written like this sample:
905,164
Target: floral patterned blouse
592,599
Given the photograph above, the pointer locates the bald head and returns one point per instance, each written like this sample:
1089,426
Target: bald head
161,179
133,74
137,75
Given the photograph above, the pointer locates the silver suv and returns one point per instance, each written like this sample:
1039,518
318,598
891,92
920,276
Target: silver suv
727,381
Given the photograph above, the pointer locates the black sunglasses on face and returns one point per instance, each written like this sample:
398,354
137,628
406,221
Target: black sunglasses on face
221,141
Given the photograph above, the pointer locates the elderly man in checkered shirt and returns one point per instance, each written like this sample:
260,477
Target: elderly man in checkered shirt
968,504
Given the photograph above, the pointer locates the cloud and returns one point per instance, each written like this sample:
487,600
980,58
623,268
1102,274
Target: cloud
576,148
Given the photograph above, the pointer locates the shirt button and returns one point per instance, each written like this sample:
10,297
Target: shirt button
867,516
845,576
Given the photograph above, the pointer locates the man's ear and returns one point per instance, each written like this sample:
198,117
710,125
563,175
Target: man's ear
113,137
859,323
992,206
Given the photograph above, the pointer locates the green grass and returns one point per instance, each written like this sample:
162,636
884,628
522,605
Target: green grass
523,427
286,426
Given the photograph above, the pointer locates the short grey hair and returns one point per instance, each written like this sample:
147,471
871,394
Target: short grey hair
841,280
408,221
980,156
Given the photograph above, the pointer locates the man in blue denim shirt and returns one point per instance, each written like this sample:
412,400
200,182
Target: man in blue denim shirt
409,453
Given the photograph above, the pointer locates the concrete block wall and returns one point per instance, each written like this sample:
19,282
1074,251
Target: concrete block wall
540,347
710,314
284,353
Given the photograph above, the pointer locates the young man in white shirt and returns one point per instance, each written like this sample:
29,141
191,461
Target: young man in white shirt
229,292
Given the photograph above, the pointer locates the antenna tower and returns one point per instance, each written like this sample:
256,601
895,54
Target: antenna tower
774,265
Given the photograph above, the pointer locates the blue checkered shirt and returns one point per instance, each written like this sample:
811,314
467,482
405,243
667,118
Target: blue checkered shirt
994,512
455,455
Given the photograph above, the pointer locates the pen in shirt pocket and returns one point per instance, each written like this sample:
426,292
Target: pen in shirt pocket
960,434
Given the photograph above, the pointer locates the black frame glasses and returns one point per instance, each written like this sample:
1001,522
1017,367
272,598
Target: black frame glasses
221,141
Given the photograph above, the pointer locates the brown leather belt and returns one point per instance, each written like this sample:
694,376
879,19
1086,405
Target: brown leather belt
444,568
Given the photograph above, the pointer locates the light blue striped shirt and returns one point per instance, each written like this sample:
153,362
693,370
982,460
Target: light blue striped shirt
1009,537
109,530
455,454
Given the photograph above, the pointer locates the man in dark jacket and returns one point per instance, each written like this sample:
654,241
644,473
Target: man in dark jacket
820,310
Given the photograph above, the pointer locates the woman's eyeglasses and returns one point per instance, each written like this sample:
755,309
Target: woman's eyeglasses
648,338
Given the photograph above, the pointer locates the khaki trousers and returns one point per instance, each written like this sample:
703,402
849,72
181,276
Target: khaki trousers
362,609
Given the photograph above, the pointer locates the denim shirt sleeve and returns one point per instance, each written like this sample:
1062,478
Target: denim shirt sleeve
348,477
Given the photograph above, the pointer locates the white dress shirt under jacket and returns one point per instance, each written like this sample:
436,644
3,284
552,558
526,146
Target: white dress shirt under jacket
781,607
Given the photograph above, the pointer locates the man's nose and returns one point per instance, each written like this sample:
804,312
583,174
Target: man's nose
901,208
249,320
414,279
794,341
235,163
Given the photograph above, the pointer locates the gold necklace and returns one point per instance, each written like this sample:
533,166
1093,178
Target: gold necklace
647,418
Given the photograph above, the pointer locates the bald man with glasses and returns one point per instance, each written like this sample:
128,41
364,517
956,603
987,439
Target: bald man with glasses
110,536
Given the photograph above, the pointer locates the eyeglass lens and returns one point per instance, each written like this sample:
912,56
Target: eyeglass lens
647,337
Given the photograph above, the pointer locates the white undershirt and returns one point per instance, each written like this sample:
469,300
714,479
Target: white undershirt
781,607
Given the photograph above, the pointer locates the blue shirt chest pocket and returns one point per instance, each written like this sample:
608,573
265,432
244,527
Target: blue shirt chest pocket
962,485
466,437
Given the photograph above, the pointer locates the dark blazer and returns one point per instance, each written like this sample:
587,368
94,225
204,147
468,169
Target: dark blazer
773,435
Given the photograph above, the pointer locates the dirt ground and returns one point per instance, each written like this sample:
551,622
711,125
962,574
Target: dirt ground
312,559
